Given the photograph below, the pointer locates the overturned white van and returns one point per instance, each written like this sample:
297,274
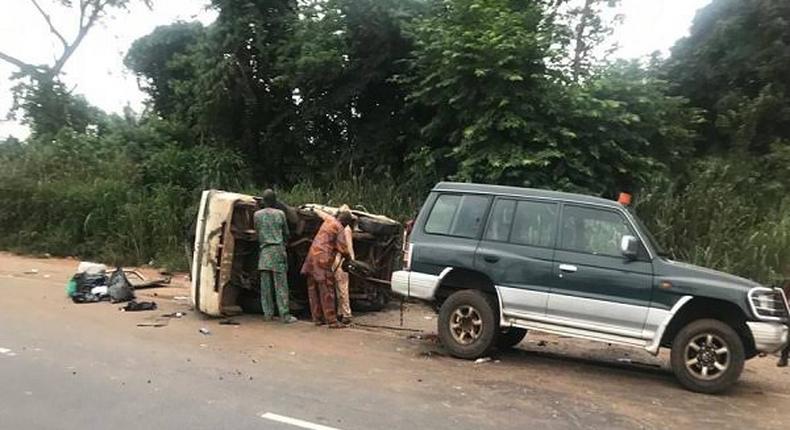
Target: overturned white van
224,262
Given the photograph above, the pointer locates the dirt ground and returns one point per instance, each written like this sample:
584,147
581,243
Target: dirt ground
578,384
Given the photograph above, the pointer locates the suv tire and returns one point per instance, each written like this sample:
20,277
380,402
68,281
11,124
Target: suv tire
707,356
468,324
510,337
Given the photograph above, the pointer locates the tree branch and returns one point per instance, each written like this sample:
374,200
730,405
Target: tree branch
23,66
68,51
48,19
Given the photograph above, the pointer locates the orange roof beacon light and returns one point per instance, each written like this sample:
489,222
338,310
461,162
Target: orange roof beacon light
624,199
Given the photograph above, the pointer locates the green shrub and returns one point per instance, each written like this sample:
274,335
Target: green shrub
728,216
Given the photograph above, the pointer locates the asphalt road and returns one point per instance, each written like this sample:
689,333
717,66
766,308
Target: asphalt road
67,366
65,372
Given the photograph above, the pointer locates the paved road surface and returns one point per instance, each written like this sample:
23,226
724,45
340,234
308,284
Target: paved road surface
66,366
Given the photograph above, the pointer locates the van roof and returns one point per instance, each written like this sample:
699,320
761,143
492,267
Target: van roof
521,192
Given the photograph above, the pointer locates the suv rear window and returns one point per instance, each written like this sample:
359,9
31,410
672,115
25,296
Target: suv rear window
457,215
523,222
535,224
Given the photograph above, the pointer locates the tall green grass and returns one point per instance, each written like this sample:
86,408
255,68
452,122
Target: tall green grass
725,217
95,199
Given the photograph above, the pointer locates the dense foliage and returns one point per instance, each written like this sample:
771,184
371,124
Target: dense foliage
369,102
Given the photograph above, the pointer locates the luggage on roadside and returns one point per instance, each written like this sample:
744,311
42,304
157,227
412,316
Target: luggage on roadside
119,288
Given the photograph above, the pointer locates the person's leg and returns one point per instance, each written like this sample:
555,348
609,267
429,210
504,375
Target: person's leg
314,299
266,294
784,357
281,295
343,300
327,293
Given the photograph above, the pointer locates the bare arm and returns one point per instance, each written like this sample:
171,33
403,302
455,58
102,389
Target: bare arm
320,212
349,241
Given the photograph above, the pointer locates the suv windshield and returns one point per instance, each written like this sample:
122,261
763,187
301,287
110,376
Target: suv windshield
660,251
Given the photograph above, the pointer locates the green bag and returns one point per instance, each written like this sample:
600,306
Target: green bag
71,287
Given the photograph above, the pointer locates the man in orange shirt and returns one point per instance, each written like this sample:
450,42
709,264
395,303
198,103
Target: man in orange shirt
327,243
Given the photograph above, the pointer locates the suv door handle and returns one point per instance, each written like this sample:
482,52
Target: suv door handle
568,268
490,258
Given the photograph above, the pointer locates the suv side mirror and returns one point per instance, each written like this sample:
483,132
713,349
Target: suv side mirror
629,246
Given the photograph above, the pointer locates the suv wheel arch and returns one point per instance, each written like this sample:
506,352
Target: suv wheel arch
706,308
456,279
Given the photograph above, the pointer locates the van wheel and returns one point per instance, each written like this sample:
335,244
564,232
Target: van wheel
467,324
707,356
510,337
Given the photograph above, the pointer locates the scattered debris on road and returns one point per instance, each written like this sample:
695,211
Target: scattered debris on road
134,306
482,360
158,322
174,315
204,331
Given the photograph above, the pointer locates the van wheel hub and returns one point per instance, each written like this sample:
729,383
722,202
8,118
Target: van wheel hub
466,324
707,356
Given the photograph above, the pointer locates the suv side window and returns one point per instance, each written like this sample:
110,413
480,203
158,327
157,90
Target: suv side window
457,215
593,231
501,220
535,224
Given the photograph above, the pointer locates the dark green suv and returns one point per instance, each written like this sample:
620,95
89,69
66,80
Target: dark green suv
503,260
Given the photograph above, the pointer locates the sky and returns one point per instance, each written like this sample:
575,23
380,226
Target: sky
96,70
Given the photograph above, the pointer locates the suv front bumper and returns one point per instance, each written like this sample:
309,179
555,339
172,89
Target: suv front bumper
769,337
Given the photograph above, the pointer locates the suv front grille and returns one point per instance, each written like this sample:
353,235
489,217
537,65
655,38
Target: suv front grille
768,304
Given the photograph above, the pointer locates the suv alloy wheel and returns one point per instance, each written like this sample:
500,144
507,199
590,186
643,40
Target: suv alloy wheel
468,324
707,356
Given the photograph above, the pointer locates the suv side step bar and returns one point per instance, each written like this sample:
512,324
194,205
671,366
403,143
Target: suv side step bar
576,332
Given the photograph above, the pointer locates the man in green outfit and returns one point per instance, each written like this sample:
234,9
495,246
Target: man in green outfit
272,229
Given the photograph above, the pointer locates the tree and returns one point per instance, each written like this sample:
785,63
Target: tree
47,105
162,65
736,65
90,12
499,114
241,102
589,32
478,69
341,60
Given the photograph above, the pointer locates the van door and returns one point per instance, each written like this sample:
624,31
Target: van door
516,253
594,286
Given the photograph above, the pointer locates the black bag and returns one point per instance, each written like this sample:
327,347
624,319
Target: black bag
119,288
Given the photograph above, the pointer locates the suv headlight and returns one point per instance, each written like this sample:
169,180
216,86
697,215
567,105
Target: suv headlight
768,304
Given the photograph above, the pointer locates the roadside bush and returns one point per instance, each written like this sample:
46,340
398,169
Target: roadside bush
93,197
730,215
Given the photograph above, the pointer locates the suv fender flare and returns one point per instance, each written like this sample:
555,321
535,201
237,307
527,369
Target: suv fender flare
655,344
488,287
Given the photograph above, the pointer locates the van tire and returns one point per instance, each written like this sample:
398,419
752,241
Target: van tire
708,337
510,337
474,318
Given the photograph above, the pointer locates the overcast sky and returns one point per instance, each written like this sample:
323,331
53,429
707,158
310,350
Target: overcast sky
96,70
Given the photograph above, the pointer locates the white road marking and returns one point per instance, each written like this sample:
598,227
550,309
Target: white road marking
295,422
7,352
